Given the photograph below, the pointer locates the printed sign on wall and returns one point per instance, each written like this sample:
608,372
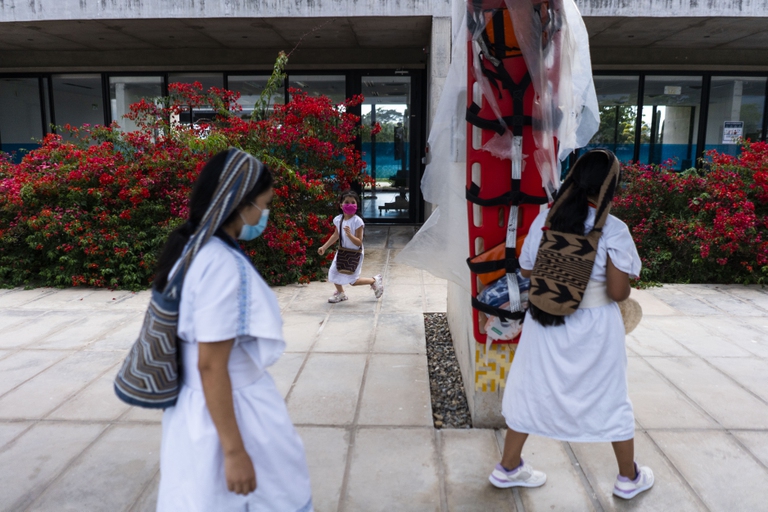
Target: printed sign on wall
732,131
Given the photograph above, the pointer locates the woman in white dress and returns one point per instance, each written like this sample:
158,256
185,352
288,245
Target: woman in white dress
228,444
568,379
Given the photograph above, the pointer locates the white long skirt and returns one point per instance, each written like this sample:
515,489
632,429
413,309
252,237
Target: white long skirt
569,382
192,463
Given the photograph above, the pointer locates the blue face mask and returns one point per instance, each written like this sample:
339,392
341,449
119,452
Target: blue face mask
249,232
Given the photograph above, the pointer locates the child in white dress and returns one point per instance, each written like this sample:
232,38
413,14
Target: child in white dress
228,444
568,379
352,226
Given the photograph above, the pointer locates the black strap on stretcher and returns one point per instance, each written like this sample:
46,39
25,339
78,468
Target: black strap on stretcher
503,314
514,197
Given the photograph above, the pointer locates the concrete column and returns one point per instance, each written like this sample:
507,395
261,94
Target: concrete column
437,66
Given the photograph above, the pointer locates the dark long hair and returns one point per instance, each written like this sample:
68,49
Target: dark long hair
587,177
201,197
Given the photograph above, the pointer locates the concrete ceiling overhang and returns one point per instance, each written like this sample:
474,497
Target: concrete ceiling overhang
225,43
678,42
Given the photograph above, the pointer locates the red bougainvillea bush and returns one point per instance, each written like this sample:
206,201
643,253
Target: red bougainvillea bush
96,209
706,226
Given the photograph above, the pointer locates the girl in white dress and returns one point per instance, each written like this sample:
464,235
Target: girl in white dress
568,379
352,226
228,444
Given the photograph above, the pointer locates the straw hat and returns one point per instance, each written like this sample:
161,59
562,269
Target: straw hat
631,313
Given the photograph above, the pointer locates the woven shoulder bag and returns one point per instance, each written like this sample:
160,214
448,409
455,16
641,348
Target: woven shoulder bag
564,261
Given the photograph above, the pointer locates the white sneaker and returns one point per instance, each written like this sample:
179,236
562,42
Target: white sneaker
337,297
628,489
378,286
522,476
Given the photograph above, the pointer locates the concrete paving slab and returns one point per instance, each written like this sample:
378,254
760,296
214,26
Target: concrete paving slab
704,457
327,390
379,481
344,332
123,460
326,450
361,301
148,500
430,279
29,464
683,302
137,301
436,296
669,491
698,339
40,395
651,305
564,489
65,298
11,317
23,365
284,371
400,270
396,391
19,297
760,323
734,306
96,402
403,298
750,372
141,415
754,294
34,329
399,237
738,332
10,430
723,399
648,341
755,441
300,330
400,333
468,458
653,398
81,333
121,337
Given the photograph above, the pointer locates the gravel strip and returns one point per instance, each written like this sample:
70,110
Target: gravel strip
449,403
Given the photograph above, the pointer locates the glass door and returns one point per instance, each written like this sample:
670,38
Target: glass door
389,155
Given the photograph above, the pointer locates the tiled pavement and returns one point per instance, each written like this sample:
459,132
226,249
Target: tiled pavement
355,380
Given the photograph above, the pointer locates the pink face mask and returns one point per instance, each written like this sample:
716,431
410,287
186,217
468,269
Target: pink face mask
349,208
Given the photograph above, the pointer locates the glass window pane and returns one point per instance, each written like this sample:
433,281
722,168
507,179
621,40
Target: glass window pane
671,108
333,86
736,106
77,100
388,154
127,90
250,88
617,99
207,80
20,122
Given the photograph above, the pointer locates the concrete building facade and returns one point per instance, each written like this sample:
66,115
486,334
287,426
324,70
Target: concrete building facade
674,77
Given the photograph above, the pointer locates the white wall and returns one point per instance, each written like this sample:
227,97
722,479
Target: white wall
672,8
38,10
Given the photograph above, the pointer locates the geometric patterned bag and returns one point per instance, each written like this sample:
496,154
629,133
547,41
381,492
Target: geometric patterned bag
151,374
347,260
564,261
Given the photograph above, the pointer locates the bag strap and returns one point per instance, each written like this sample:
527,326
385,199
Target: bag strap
341,231
603,205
